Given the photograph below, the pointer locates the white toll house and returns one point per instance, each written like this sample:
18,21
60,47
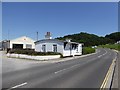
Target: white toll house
66,48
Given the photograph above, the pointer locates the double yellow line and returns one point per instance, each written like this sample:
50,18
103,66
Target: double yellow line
104,84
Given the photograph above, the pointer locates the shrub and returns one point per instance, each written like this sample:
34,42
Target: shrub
88,50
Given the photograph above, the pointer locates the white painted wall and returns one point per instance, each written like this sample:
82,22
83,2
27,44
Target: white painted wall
79,50
66,53
22,40
60,47
73,52
49,46
33,57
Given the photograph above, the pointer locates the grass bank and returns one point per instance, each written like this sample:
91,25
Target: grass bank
111,46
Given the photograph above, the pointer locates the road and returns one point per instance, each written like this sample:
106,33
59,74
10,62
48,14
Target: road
116,77
84,72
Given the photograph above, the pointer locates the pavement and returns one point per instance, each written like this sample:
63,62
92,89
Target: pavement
81,72
13,64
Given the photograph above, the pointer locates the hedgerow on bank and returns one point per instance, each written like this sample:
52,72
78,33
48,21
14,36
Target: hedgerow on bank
111,46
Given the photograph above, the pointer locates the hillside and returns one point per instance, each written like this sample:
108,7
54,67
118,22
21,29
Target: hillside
115,36
90,39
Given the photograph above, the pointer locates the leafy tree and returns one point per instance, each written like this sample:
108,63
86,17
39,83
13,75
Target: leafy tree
115,36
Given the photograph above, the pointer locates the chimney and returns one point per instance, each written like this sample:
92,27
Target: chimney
48,35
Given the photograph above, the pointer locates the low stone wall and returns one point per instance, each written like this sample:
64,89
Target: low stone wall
33,57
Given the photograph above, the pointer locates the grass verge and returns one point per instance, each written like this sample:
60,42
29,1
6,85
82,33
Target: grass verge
111,46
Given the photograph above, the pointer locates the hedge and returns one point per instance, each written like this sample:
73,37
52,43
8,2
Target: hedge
88,50
33,53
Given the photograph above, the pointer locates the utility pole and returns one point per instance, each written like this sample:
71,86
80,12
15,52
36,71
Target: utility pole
8,34
37,36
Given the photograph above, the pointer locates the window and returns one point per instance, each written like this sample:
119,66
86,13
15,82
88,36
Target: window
54,48
77,48
44,48
29,46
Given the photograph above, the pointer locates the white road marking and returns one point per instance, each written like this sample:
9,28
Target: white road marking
105,52
77,64
59,71
18,86
102,54
66,68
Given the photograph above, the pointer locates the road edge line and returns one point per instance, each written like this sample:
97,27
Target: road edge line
109,72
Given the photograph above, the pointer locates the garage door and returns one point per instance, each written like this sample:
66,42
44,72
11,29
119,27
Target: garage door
17,46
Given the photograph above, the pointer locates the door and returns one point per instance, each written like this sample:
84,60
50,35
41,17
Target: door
54,48
44,48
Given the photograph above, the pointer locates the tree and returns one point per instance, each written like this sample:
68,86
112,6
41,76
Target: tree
115,36
87,39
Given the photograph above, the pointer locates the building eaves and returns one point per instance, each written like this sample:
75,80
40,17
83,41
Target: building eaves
48,40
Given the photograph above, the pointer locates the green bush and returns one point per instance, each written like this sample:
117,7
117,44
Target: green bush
33,53
88,50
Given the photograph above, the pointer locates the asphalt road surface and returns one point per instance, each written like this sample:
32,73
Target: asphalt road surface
84,72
